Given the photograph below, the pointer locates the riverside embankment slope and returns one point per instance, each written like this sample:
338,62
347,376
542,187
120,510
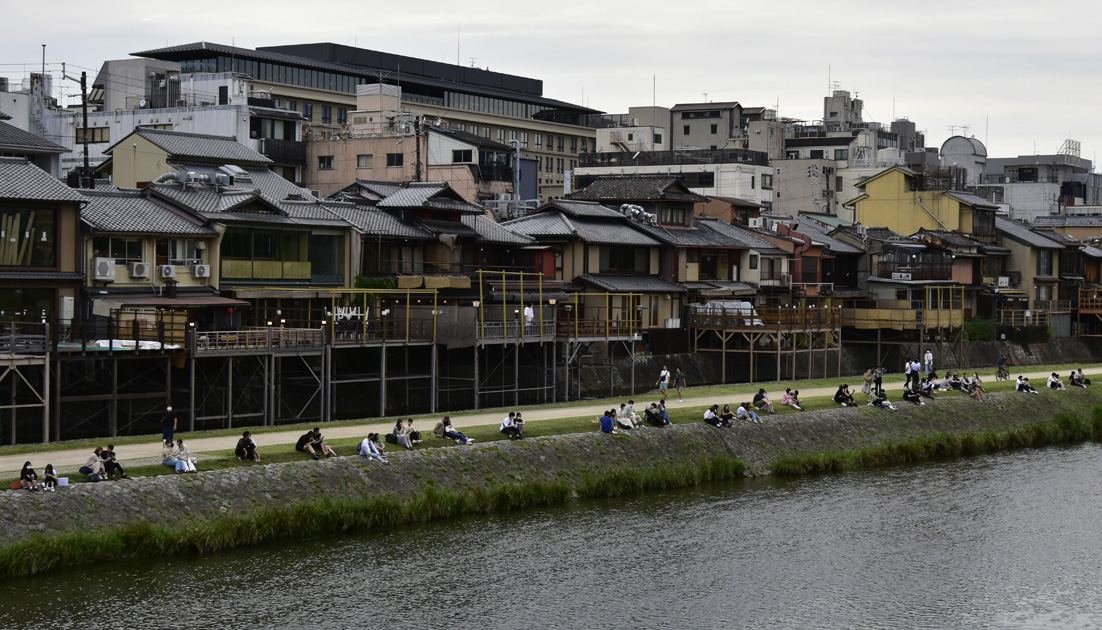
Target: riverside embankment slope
184,503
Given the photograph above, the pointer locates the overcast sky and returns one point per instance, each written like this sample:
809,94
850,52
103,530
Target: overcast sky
1024,76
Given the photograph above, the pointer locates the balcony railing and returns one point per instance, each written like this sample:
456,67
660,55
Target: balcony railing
1055,307
891,270
23,338
774,279
516,330
776,317
211,341
583,328
421,268
1007,317
286,151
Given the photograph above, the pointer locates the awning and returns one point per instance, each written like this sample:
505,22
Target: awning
104,306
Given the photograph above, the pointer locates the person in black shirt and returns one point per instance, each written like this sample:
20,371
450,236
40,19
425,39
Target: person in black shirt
168,424
246,448
109,463
306,444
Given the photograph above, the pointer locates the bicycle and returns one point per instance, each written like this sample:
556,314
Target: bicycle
1002,373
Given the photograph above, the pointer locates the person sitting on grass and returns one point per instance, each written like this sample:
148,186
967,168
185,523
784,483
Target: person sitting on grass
792,399
110,465
761,401
1082,378
955,382
977,391
727,416
509,426
1054,382
520,425
650,414
246,448
369,448
608,425
630,409
447,431
711,416
1074,380
94,466
624,419
306,444
325,449
1022,385
966,384
183,453
744,412
880,399
403,434
926,388
843,396
49,478
167,449
945,384
28,478
912,396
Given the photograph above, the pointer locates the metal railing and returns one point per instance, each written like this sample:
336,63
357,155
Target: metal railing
258,339
1017,317
581,328
24,338
776,317
516,330
1054,307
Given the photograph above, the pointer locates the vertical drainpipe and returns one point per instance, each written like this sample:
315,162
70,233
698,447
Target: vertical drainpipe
516,168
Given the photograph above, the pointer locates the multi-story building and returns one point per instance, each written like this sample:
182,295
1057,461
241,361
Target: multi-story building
1030,186
319,82
641,129
706,125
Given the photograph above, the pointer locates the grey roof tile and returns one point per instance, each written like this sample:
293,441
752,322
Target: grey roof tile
970,199
14,138
627,188
131,212
542,224
579,208
821,234
1021,233
630,284
377,222
1067,221
492,232
433,195
181,146
19,179
687,237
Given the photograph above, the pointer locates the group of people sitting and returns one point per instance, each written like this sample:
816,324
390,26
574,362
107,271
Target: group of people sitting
28,478
628,419
103,464
313,442
177,456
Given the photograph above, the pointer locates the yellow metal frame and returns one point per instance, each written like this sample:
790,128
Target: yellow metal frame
633,304
505,277
363,293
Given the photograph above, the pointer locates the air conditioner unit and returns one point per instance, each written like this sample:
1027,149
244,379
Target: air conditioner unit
139,270
104,269
201,271
754,222
166,271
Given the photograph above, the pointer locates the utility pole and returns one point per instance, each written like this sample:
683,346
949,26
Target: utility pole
86,179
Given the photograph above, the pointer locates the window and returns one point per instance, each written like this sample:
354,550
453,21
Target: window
674,216
751,182
524,140
342,116
815,154
178,252
560,143
308,111
501,135
559,162
1044,262
833,115
539,140
631,137
512,134
462,156
623,258
766,182
395,160
96,135
365,160
292,106
30,240
686,132
223,95
325,162
841,154
715,129
123,250
700,180
573,145
326,114
585,145
658,138
753,261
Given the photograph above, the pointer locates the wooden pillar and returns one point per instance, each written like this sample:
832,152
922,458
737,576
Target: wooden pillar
229,392
432,378
191,391
382,381
113,405
476,375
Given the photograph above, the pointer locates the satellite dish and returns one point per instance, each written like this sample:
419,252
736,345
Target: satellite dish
142,104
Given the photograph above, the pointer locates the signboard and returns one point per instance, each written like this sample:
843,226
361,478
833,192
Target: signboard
900,276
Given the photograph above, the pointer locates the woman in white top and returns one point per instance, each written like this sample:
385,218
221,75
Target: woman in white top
370,449
183,454
625,419
1054,382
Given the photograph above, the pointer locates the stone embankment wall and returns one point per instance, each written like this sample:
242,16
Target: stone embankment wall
180,501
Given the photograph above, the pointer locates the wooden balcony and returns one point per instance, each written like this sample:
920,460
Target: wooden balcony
889,270
1020,318
1054,307
764,318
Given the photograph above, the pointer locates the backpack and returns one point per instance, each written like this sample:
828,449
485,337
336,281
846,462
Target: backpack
84,470
390,438
94,478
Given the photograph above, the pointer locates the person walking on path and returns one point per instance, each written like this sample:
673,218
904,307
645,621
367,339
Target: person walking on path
929,359
907,373
664,381
168,424
679,382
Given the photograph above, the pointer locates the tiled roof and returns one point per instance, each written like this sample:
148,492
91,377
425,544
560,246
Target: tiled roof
131,212
542,224
826,219
1091,251
970,199
180,145
41,275
689,107
604,232
434,195
492,232
736,237
13,138
448,227
819,233
687,237
470,138
873,233
631,284
19,179
579,208
1067,221
627,188
735,201
377,222
1021,233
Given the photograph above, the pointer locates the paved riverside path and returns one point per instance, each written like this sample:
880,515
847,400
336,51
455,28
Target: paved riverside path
67,461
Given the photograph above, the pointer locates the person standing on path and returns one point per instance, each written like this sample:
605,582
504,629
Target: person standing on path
916,369
664,381
907,373
878,379
929,359
679,382
168,424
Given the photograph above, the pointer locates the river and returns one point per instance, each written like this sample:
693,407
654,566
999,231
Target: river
1009,540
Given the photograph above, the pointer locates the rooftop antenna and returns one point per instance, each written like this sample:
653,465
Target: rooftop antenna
705,96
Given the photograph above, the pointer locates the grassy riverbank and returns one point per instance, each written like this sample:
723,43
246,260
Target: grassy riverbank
329,516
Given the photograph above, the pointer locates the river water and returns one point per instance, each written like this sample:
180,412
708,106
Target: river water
1009,540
